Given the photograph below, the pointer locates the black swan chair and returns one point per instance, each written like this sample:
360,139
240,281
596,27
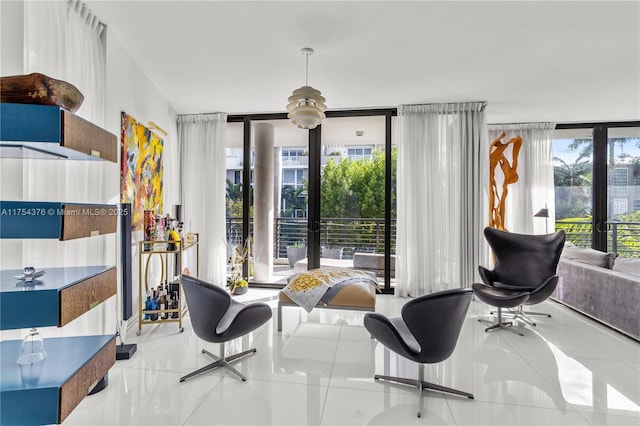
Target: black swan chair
217,318
524,273
426,332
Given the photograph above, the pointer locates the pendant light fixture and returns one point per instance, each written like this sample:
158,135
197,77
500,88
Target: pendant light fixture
306,105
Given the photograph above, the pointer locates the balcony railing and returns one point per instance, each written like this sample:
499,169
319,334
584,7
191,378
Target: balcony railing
622,237
352,234
355,234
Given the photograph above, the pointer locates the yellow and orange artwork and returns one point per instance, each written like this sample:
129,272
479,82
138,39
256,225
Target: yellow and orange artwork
140,169
502,173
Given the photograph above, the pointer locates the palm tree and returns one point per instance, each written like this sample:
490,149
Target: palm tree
234,191
571,175
585,146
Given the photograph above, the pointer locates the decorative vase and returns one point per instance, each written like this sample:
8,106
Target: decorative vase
32,350
295,254
237,290
149,229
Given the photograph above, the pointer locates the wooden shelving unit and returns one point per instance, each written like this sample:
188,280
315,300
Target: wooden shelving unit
47,391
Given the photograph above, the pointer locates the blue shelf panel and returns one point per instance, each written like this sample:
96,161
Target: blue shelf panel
28,131
23,219
31,394
30,123
46,220
38,305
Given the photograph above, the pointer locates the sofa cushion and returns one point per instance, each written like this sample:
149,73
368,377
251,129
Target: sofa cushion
371,261
590,256
627,265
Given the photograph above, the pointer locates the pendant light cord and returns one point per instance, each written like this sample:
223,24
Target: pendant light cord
307,70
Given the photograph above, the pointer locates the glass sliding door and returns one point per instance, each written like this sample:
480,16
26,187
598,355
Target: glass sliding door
279,173
623,191
234,189
297,196
573,171
597,176
352,193
393,213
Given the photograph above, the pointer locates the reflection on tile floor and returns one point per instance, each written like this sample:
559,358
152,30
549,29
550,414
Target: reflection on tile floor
319,371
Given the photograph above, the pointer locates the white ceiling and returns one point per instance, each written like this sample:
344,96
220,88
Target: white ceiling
531,61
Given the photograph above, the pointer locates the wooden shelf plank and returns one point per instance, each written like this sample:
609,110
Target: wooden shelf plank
63,221
58,133
46,392
57,298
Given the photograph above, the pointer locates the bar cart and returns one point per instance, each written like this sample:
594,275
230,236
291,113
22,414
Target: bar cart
171,258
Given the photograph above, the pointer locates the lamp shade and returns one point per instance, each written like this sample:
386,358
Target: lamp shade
306,107
542,213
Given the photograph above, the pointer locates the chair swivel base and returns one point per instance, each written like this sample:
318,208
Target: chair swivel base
221,361
420,384
507,325
519,313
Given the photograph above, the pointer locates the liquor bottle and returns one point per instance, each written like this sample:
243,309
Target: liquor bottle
168,303
163,304
147,304
154,306
175,304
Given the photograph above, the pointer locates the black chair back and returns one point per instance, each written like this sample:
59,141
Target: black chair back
435,320
207,305
522,259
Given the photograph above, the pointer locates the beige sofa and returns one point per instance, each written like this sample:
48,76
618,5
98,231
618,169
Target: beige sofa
611,296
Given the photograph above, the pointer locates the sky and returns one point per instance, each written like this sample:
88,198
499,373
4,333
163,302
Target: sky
561,150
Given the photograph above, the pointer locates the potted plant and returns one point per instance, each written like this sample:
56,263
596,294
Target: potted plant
297,251
236,283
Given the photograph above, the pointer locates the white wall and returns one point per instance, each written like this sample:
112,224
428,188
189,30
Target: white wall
128,90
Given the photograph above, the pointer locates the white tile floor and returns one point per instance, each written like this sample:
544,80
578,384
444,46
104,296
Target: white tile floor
319,371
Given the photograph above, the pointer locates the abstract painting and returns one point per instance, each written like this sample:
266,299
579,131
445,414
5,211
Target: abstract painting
140,169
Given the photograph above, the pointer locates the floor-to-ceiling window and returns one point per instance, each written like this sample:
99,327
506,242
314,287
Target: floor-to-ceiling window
573,172
286,195
234,192
623,191
301,158
597,178
352,203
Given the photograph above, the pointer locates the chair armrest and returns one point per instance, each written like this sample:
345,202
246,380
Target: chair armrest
544,290
487,276
498,284
386,333
246,319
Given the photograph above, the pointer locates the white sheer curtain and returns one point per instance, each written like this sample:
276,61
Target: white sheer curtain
442,176
63,39
203,171
535,186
